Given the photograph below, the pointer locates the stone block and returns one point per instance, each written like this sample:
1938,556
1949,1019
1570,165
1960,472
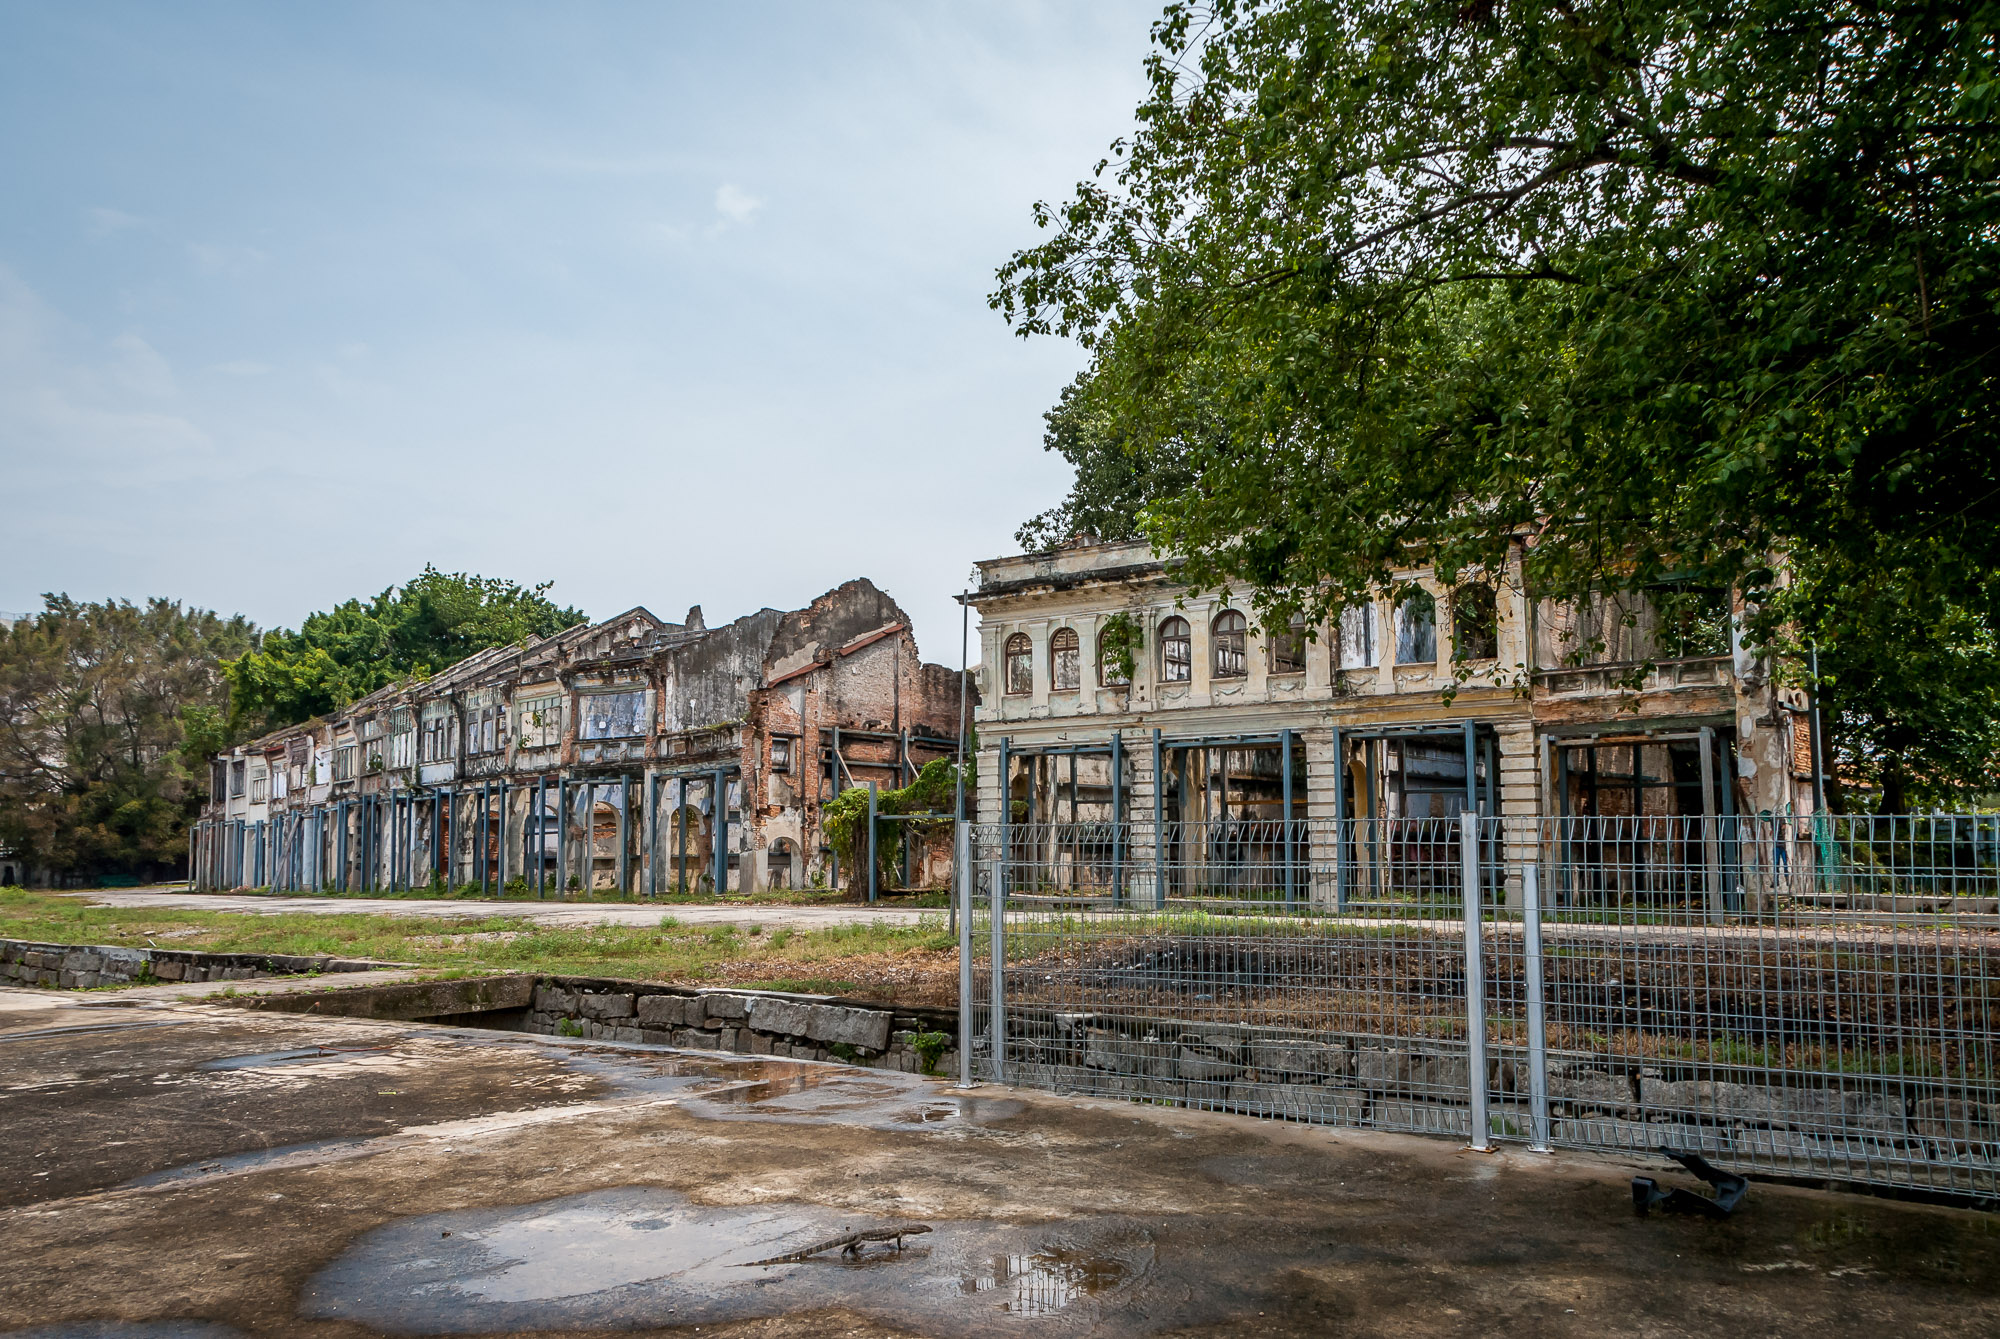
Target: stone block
555,1000
727,1008
865,1028
80,961
1382,1071
1118,1054
728,1038
1204,1066
67,980
608,1005
662,1011
783,1017
627,1034
656,1036
697,1039
1957,1120
168,971
756,1043
1299,1059
1592,1087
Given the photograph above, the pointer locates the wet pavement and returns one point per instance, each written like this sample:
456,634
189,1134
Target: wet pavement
772,916
189,1170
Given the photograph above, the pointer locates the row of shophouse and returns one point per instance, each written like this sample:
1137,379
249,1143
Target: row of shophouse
631,754
1154,724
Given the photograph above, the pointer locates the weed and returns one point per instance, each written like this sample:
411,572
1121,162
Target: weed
929,1046
568,1027
840,1050
781,937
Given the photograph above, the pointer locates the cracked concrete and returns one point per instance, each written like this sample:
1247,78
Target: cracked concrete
194,1169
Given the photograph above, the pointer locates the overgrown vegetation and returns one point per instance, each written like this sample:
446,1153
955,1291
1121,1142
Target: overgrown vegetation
1615,295
844,820
410,631
910,962
108,713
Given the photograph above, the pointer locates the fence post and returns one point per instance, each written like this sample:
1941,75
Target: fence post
996,1015
1538,1038
962,904
871,841
1475,980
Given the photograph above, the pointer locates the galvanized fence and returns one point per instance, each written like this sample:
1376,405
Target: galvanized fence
1794,997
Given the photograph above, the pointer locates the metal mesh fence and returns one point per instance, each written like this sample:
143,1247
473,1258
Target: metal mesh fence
1795,997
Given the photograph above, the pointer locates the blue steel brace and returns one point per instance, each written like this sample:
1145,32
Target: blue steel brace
1159,826
1285,828
719,790
1118,817
1339,822
871,841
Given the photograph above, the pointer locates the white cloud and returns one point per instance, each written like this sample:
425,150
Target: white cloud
735,204
102,221
139,368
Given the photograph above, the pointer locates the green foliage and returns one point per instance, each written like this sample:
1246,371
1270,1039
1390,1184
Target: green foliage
929,1046
108,713
1113,482
568,1027
425,625
1123,640
1679,290
840,1050
844,819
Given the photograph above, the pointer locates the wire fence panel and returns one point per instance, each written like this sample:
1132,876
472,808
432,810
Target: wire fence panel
1793,997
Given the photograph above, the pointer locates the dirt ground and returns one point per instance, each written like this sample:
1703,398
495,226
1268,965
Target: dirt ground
189,1169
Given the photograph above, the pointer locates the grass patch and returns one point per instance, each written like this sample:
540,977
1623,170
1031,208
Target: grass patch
475,944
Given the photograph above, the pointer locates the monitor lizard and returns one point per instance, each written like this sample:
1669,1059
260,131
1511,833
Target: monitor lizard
849,1244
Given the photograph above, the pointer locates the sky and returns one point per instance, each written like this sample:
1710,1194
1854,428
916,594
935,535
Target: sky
668,304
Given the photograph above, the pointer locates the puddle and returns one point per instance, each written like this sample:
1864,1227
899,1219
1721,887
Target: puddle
642,1257
269,1059
324,1150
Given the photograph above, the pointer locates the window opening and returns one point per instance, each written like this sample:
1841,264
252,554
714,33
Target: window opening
1176,651
1230,632
1020,664
1065,661
1416,629
1475,626
1288,649
1357,637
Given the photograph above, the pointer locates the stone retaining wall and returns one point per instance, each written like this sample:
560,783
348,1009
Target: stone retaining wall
82,966
804,1027
1391,1084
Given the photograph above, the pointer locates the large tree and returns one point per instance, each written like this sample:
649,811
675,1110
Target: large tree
107,715
416,629
1680,288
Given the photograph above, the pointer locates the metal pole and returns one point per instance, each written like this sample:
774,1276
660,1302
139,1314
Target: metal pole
1118,817
681,832
1006,812
485,830
624,836
1475,982
1538,1041
541,836
500,882
719,788
1339,822
1817,741
1159,826
1285,827
562,837
963,859
997,1015
871,841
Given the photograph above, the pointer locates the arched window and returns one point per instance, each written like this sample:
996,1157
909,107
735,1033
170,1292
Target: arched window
778,864
1114,650
1357,637
1475,623
1020,664
1065,661
1288,648
1176,651
1228,633
1416,629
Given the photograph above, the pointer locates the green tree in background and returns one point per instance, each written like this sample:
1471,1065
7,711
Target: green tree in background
108,713
1687,291
425,625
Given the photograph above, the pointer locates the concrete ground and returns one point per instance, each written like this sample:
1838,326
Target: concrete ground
173,1168
770,915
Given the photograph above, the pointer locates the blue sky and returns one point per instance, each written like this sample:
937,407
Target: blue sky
669,304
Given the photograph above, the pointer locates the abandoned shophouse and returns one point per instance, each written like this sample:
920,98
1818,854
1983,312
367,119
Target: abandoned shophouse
1147,735
633,754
